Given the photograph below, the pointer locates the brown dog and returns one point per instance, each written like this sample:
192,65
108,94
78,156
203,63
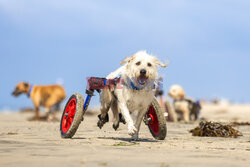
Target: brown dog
41,96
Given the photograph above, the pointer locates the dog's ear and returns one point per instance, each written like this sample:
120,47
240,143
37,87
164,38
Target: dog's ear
26,85
158,62
127,60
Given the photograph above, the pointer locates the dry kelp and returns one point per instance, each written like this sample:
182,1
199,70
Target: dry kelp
240,123
215,129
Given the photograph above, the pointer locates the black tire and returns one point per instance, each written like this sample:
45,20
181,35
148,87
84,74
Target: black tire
70,130
161,132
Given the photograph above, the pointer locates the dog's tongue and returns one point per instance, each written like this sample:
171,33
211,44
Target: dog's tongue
142,80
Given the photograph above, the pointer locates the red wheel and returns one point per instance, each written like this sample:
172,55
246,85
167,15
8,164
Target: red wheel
72,116
69,114
153,121
156,121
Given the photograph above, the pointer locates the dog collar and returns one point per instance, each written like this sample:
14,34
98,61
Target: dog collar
30,90
134,87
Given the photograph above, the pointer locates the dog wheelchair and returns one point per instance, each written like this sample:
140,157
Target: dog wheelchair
76,106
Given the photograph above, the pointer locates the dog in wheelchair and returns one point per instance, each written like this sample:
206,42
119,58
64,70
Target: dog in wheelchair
138,73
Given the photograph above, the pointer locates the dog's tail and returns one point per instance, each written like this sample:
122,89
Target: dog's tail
116,73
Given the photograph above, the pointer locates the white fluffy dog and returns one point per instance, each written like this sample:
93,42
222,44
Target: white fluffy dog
136,94
186,107
181,106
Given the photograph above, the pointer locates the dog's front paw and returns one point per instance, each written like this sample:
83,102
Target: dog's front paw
135,137
131,130
102,121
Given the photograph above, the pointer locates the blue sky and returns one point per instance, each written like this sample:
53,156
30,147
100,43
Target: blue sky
46,41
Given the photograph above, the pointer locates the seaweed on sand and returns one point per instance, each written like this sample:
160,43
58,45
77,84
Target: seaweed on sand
240,123
215,129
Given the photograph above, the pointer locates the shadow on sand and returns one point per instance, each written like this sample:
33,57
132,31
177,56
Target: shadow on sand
129,139
78,138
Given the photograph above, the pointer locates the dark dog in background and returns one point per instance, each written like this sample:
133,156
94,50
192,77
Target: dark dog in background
41,96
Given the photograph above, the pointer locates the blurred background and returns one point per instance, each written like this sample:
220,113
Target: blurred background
49,41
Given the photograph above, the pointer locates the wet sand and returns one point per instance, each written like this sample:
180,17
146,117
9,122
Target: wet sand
24,143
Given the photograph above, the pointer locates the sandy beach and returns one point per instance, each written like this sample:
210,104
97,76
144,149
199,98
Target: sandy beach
29,143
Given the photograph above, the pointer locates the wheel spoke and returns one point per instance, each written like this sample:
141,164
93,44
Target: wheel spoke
68,123
70,120
64,122
71,107
72,114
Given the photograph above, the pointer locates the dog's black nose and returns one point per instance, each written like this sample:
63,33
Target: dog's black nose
143,72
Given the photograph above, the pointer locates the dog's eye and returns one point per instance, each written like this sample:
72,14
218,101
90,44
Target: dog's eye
138,63
149,64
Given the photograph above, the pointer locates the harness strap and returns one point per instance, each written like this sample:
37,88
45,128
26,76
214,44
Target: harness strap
131,85
96,83
190,102
187,100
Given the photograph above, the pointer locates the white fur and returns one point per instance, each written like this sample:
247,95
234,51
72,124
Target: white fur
180,105
126,100
116,73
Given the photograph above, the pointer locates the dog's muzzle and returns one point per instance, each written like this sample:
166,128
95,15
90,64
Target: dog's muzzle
142,79
15,93
143,72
